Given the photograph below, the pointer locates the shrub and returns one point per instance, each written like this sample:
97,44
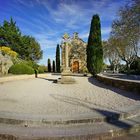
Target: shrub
85,70
21,68
32,64
8,51
135,67
42,69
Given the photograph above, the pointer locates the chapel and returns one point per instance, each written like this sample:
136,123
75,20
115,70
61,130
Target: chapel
76,54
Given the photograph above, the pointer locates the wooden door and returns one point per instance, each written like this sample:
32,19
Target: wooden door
75,67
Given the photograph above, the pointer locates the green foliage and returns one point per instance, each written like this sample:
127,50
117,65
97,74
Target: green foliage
32,64
94,47
53,66
26,46
126,32
49,65
57,58
85,70
104,66
8,51
10,35
21,68
30,49
42,69
135,66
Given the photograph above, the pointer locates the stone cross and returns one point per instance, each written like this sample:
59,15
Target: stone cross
66,75
66,51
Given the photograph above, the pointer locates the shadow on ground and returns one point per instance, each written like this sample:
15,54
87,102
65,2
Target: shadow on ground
111,117
52,80
131,95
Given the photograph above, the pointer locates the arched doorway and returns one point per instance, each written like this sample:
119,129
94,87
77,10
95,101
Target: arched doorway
75,66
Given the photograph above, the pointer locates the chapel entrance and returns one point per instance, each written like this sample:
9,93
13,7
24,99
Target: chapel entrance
75,67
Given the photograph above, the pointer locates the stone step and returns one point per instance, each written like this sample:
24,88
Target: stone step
43,120
86,131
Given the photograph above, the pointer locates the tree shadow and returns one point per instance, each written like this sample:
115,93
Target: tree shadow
111,117
130,95
52,80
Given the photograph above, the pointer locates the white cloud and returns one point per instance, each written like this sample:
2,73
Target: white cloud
46,42
105,30
67,14
84,35
61,16
28,3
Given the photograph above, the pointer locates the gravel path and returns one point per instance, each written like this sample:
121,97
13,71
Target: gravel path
42,96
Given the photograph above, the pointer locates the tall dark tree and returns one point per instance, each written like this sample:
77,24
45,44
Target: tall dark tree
57,58
10,35
94,47
53,66
49,65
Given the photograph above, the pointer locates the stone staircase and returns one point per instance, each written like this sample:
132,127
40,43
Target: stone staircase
92,128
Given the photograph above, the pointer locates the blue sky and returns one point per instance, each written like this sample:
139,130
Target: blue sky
48,20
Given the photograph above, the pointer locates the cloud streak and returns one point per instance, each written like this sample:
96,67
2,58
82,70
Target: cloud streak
48,20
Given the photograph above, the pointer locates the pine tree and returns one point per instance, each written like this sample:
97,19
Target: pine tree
94,47
26,46
57,58
49,65
53,66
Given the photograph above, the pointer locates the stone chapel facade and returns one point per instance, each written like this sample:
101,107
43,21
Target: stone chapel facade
76,54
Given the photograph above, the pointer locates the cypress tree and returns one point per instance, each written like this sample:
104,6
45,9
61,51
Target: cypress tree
94,47
57,58
49,65
53,66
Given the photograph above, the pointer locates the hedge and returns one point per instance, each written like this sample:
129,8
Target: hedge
21,68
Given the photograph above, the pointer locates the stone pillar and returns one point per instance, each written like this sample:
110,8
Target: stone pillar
66,75
66,56
65,53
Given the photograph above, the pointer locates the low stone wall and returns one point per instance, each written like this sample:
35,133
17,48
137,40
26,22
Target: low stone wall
129,85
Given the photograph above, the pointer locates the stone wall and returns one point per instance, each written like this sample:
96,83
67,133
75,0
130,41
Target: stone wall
78,52
5,64
129,85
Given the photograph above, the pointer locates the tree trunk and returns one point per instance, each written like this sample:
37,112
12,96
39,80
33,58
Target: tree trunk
113,68
128,67
116,68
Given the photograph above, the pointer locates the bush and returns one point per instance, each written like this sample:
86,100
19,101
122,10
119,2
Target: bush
8,51
135,67
122,69
42,69
21,68
30,63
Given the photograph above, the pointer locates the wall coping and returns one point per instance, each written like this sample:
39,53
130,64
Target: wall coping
118,79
